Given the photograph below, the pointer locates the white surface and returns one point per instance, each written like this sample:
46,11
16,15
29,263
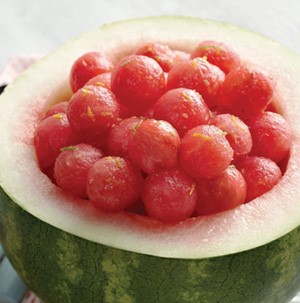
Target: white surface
39,26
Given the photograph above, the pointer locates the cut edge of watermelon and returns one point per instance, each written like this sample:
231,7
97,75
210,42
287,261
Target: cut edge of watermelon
264,219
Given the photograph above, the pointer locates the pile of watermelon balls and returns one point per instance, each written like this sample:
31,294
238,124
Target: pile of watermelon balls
164,133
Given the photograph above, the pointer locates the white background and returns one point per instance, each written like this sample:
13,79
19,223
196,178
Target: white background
39,26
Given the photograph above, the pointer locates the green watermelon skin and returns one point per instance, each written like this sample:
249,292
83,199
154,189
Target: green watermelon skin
61,267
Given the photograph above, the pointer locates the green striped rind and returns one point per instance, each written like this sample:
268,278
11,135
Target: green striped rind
61,267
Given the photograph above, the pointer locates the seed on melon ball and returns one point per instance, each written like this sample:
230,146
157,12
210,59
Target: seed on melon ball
205,152
161,53
100,80
138,81
72,166
272,136
246,92
154,145
120,134
169,196
200,75
87,67
226,191
238,134
60,107
261,175
114,184
217,53
183,108
52,133
92,110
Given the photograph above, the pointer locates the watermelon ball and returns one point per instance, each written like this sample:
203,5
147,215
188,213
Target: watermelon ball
161,53
154,145
272,136
200,75
180,56
137,81
72,166
92,111
238,133
87,67
205,152
261,175
113,184
52,133
183,108
120,134
226,191
103,80
217,53
246,92
60,107
169,196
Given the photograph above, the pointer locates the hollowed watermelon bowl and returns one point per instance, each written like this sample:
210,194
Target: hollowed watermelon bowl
68,252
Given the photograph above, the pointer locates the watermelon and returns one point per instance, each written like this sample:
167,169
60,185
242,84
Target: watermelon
67,251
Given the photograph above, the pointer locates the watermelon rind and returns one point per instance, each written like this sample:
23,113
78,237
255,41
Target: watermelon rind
61,267
68,252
